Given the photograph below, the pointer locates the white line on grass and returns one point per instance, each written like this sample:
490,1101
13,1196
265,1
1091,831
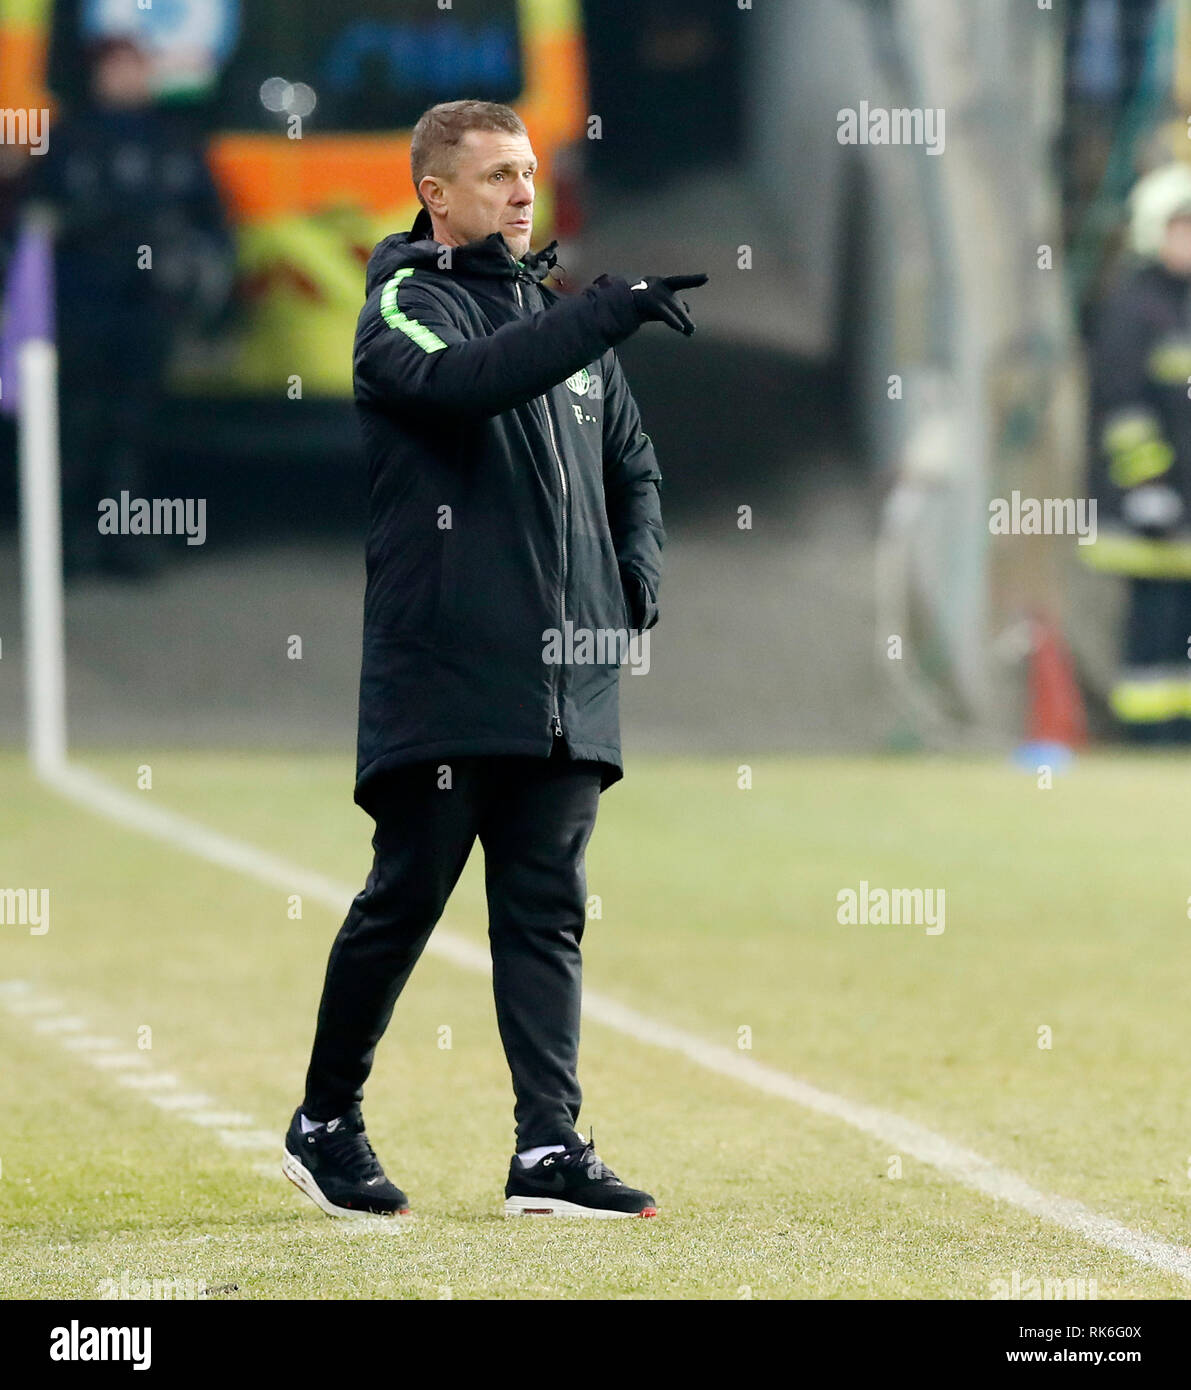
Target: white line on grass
155,1081
59,1024
904,1136
234,1129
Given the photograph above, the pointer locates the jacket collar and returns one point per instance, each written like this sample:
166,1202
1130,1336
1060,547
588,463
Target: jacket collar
488,255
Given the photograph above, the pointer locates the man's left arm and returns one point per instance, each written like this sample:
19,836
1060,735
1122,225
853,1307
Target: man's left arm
631,496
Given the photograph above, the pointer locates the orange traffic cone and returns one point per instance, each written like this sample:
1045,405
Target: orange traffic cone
1057,719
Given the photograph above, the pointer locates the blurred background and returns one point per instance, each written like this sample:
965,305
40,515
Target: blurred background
949,244
892,337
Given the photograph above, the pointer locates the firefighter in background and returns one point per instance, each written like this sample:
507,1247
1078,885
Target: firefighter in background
1141,465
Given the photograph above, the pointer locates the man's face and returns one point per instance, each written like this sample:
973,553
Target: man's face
1176,245
491,191
123,78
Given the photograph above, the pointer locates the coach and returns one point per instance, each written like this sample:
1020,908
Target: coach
512,494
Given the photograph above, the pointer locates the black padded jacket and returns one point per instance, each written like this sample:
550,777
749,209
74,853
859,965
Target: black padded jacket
513,502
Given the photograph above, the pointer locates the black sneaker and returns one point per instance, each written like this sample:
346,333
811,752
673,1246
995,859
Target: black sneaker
572,1183
337,1169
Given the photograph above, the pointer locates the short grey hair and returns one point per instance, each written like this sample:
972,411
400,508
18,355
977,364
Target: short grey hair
434,147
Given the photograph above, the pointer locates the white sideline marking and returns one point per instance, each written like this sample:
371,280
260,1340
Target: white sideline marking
251,1139
116,1060
233,1128
87,1042
138,1081
905,1136
59,1025
193,1100
33,1004
219,1119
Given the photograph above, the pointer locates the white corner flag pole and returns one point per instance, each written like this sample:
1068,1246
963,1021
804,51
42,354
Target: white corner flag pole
41,557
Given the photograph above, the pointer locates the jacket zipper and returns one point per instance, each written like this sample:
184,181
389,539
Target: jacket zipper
556,717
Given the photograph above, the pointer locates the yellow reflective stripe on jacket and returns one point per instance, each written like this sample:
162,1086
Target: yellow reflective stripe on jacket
1170,361
1141,464
1129,428
1151,701
1133,441
1138,557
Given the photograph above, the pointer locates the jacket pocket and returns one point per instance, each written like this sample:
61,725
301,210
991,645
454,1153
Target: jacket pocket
641,604
626,596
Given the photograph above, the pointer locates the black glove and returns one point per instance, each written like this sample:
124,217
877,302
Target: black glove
655,300
643,610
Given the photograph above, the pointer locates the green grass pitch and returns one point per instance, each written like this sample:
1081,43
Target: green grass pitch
1066,909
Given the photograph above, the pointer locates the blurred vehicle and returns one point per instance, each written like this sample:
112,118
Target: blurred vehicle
308,109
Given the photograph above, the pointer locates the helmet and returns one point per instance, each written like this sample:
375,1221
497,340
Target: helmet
1155,199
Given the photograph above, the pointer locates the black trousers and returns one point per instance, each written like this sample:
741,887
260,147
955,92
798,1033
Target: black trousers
534,817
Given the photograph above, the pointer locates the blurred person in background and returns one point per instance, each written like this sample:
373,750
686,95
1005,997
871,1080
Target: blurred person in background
1141,465
141,250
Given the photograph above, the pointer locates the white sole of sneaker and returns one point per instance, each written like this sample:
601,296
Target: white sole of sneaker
548,1206
303,1179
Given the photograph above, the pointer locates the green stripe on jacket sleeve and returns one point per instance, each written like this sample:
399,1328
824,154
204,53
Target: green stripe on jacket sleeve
426,338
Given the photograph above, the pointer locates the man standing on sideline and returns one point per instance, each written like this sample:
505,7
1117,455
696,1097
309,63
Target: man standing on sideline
514,512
